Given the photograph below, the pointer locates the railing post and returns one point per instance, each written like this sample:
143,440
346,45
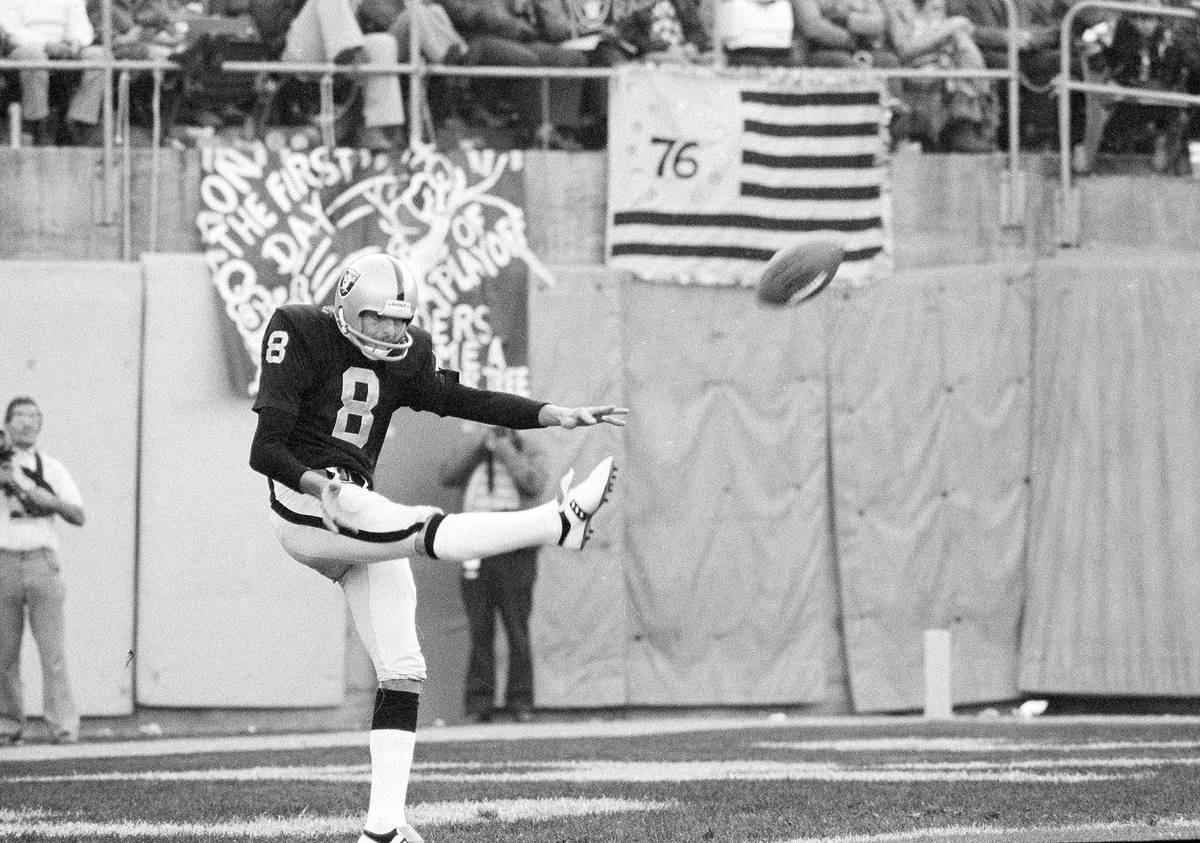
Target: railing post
123,108
155,159
1012,186
106,162
416,79
547,128
1067,212
327,117
14,125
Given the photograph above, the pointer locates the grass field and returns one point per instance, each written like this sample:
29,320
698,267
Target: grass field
718,779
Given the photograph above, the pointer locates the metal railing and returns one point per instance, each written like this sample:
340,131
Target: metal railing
1068,193
417,70
108,113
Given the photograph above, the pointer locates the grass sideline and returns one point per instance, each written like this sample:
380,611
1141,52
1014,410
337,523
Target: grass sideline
774,780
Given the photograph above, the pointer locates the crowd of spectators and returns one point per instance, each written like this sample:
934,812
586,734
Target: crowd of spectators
960,114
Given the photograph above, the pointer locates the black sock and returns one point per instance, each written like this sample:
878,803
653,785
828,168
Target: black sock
395,710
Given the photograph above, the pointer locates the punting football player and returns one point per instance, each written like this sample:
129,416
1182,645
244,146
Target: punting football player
331,379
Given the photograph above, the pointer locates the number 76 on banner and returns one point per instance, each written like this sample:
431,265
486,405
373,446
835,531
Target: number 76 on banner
677,157
658,162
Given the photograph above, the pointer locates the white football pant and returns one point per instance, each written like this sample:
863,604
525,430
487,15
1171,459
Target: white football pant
382,596
384,530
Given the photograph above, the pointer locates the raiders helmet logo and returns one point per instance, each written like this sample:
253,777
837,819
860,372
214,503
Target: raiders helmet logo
348,280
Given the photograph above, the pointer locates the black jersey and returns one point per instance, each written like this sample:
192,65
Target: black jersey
342,402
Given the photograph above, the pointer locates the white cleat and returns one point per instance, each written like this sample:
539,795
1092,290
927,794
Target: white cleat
577,506
403,834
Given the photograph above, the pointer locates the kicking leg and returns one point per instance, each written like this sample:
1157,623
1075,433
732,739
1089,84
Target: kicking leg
383,604
565,521
383,531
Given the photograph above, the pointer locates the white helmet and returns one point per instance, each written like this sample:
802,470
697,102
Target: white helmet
378,284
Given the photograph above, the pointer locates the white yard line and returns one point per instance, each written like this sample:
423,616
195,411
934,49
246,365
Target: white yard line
937,744
548,731
1044,763
43,825
1181,829
429,735
582,772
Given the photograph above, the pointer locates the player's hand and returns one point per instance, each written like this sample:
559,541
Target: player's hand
572,417
331,508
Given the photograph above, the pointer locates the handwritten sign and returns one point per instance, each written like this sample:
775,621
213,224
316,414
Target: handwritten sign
279,226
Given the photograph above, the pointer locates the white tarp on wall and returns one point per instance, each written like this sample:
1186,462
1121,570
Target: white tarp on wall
1114,558
74,348
930,414
225,618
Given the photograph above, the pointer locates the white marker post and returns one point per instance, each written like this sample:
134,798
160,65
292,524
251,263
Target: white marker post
937,674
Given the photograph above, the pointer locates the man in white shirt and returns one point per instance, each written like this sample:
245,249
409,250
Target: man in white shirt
55,29
35,488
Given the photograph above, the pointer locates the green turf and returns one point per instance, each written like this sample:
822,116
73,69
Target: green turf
1149,793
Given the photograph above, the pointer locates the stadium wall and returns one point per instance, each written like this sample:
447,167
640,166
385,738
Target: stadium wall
1115,538
955,376
945,208
70,338
225,618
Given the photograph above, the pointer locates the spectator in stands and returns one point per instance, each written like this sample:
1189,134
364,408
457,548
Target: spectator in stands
56,30
1181,58
959,114
586,26
844,33
1037,42
1149,52
1037,32
35,488
438,42
328,30
659,31
758,33
437,39
516,33
142,29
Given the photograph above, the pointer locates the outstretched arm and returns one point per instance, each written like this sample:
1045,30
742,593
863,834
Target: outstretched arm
551,415
441,393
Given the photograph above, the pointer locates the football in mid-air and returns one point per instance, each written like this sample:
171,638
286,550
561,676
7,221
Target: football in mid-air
797,273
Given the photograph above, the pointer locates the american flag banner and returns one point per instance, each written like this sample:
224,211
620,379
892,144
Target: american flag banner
712,171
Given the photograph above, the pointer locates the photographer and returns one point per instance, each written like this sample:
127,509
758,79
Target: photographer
36,487
498,471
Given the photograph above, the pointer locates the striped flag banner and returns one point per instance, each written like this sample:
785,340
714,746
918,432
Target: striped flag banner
713,171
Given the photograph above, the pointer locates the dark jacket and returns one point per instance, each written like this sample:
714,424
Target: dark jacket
273,19
637,27
502,18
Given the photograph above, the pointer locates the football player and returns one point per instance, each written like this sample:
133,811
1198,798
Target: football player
331,379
